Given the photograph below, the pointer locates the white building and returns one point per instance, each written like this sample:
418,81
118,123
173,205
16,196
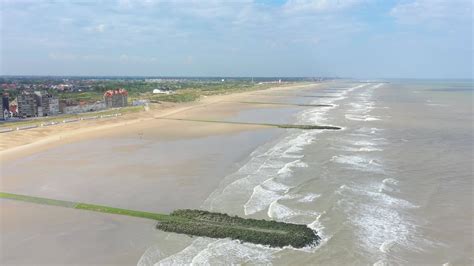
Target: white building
158,91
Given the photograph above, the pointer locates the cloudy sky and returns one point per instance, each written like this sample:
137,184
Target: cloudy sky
350,38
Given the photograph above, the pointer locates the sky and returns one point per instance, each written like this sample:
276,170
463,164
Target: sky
281,38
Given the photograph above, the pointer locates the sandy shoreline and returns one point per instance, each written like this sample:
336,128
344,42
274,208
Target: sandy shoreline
135,162
17,144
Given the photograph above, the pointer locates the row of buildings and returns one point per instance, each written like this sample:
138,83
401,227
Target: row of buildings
116,98
41,103
37,103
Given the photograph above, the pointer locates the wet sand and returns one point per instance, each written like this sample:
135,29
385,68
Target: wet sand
45,235
17,144
138,162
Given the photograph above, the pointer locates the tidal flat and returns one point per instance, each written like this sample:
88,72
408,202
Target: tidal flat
154,165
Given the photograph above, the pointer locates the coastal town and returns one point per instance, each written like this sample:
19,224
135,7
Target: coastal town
27,98
25,101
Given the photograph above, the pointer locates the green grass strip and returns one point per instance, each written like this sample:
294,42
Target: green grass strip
85,206
133,213
304,127
38,200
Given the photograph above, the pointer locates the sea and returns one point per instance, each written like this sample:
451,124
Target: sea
393,187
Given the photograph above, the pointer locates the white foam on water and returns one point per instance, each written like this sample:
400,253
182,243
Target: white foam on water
390,181
359,143
226,252
386,246
372,192
364,118
207,251
270,163
358,163
377,218
371,130
281,212
291,145
377,223
359,135
289,155
310,197
378,85
392,201
385,188
369,149
363,107
318,227
380,263
437,104
341,189
260,199
186,256
273,185
151,256
270,190
316,115
375,215
316,224
260,184
389,185
288,168
363,143
360,149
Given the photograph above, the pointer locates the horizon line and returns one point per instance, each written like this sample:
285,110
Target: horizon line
249,77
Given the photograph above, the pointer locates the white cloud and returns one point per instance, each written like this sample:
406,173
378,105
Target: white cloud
305,33
100,28
60,56
320,5
432,11
63,56
127,4
124,58
189,60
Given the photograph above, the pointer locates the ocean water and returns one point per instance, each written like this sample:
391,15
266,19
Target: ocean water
394,187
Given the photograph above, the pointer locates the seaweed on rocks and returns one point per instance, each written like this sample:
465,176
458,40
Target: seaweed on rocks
219,225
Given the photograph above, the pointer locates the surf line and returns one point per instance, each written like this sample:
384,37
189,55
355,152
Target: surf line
277,103
200,223
304,127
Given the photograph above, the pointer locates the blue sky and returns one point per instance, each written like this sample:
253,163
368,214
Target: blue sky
349,38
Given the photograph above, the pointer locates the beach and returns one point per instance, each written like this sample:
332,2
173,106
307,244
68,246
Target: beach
393,186
137,161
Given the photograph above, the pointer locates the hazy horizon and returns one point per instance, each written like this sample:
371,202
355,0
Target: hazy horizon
235,77
367,39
